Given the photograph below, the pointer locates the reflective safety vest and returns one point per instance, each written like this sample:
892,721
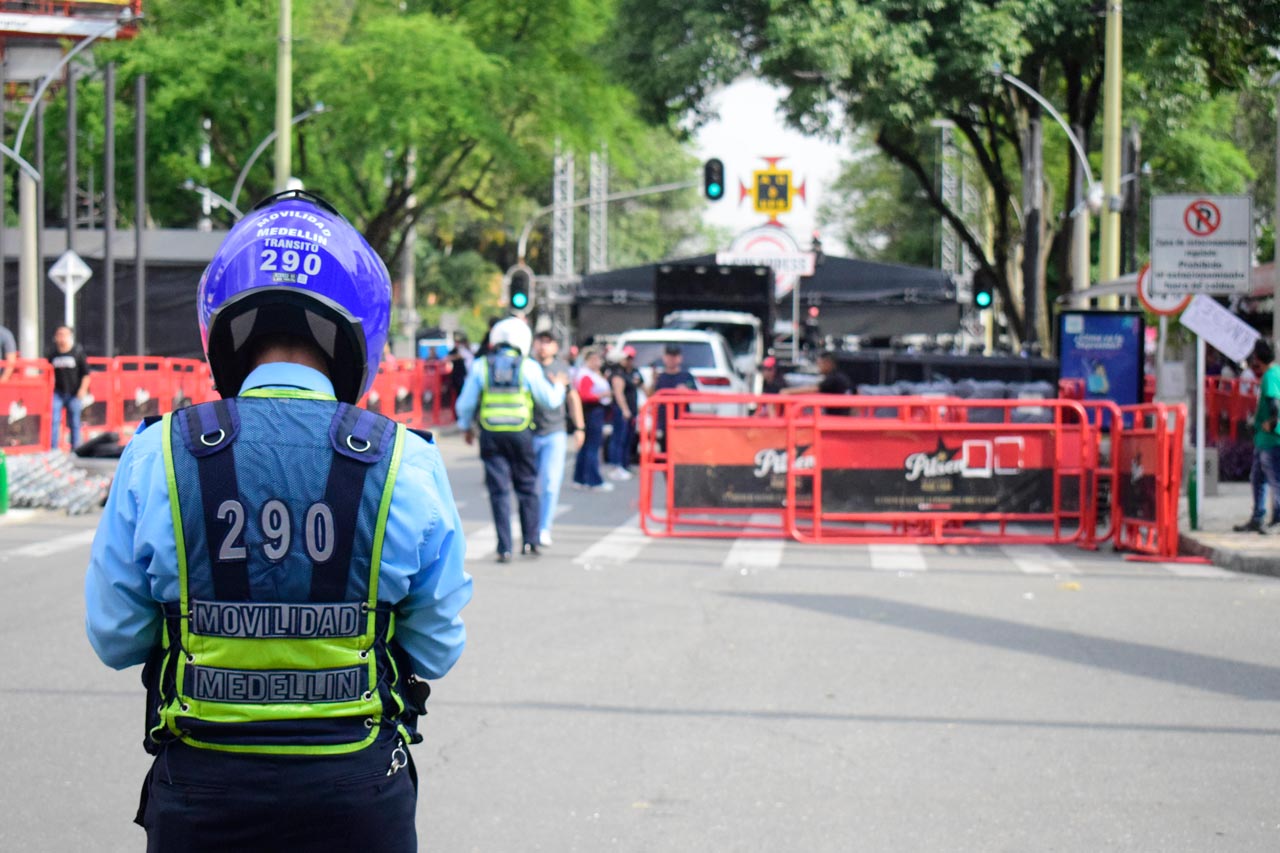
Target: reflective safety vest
278,643
505,403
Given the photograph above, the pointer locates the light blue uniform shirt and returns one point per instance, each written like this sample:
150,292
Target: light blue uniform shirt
134,561
544,393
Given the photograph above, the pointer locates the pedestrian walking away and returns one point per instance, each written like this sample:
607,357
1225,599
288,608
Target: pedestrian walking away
1264,474
288,567
70,383
593,388
498,401
550,436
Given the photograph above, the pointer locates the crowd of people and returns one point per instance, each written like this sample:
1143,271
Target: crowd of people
524,420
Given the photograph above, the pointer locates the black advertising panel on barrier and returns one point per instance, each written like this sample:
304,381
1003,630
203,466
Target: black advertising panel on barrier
745,468
914,471
1138,456
1104,349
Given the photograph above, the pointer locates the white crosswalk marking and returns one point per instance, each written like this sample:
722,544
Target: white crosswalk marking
53,546
1196,570
619,545
897,558
482,543
561,509
1038,560
756,554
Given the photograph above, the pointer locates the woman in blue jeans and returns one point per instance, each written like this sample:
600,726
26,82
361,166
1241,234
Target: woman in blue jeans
593,389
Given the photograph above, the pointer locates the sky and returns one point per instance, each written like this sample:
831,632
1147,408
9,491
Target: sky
749,128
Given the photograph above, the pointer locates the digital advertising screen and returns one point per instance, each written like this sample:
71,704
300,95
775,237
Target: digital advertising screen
1104,349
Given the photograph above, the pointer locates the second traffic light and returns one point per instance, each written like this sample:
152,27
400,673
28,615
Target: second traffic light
713,179
520,289
984,285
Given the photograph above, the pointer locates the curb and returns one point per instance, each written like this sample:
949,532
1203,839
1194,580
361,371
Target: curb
1254,561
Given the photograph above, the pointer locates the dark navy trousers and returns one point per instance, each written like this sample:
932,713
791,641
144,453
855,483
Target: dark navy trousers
198,800
510,464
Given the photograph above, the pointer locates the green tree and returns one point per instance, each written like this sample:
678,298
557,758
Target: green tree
893,66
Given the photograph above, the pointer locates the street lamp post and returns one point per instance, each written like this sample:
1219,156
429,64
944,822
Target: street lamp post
212,198
262,146
1092,200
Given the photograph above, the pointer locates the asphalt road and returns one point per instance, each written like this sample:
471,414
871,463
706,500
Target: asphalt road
625,693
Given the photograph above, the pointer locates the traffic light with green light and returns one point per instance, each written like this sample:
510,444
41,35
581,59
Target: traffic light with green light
984,285
520,290
713,179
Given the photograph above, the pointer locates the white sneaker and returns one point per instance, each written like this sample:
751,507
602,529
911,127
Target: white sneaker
619,474
544,539
603,487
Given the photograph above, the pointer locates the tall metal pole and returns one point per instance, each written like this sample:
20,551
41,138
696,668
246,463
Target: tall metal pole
284,95
109,209
1109,251
1079,228
39,221
1033,204
72,165
28,271
140,214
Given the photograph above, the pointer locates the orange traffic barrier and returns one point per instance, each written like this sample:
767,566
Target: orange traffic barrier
26,407
833,469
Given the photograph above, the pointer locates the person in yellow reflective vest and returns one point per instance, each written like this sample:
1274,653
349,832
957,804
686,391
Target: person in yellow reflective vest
498,398
288,566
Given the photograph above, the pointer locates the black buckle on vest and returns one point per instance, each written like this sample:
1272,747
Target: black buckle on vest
209,427
360,434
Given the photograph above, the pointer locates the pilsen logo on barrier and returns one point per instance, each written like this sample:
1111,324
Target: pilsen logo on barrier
772,461
973,458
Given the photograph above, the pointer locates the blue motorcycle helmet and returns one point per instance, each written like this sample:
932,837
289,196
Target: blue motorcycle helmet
294,268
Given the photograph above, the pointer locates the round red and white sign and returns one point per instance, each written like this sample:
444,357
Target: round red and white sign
1159,303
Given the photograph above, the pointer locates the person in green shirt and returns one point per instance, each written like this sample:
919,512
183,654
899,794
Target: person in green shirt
1264,476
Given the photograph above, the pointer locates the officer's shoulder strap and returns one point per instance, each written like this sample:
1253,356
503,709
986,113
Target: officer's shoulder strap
208,427
424,434
360,434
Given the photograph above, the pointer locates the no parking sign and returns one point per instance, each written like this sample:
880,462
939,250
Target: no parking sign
1201,244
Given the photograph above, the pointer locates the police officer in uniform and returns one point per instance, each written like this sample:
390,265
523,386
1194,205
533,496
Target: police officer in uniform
504,386
288,566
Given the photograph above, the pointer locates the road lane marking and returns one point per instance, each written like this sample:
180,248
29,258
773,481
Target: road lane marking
482,543
897,558
1197,570
620,545
755,554
52,546
1038,560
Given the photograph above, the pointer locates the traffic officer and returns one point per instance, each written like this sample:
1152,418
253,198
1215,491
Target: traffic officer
504,385
288,566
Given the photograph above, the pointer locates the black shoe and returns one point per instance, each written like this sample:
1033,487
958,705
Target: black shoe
530,550
1250,526
504,556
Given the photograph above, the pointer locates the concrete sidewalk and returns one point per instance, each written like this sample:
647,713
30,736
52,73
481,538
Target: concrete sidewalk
1240,552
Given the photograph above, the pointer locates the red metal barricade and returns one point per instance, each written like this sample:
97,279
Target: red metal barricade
432,388
101,411
26,407
1149,459
826,469
392,393
191,382
145,388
